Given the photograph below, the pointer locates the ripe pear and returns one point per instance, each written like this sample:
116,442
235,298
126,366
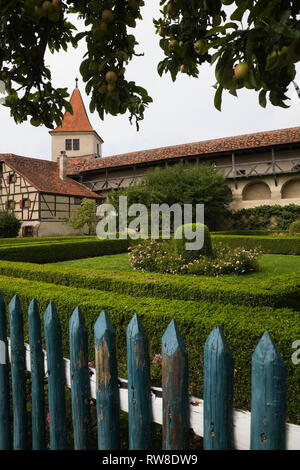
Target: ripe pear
111,77
172,45
199,46
241,70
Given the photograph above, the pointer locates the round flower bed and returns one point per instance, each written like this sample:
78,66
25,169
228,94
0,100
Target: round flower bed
158,256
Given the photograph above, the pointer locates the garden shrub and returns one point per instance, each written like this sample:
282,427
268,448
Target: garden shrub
243,326
180,241
9,224
295,228
153,256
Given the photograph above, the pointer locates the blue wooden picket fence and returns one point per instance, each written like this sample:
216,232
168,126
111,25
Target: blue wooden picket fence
268,386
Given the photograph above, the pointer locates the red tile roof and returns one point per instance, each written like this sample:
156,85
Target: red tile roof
78,121
227,144
44,176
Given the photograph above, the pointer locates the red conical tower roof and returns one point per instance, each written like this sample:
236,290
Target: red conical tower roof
78,121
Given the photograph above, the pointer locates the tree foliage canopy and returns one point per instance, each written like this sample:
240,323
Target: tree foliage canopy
253,44
85,215
180,184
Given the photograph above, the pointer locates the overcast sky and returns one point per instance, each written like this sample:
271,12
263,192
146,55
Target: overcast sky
181,112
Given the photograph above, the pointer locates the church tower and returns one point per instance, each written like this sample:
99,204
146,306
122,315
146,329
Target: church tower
76,136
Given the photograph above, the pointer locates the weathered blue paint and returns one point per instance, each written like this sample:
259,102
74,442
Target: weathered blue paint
139,394
37,377
18,374
218,392
5,439
107,390
176,409
56,379
268,397
80,380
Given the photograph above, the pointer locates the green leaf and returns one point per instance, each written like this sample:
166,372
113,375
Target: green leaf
218,98
262,98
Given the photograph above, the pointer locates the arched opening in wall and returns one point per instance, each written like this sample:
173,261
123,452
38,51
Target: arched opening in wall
256,191
291,189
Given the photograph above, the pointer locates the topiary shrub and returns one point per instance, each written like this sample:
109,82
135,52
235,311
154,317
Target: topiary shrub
180,243
295,228
9,225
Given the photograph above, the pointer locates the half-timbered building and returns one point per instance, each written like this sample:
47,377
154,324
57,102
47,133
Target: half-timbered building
40,194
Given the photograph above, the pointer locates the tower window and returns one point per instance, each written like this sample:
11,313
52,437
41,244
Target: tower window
68,144
75,144
72,144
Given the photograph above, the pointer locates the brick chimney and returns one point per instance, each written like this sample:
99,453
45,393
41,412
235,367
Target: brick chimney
62,165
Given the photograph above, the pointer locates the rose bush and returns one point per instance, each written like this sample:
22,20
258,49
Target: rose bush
160,256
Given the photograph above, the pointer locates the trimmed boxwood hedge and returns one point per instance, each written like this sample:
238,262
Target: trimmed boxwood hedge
242,325
54,250
275,245
277,291
61,251
39,240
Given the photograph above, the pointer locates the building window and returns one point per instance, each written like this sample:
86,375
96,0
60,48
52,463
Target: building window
72,144
68,144
98,149
27,231
77,201
75,144
11,178
25,203
10,204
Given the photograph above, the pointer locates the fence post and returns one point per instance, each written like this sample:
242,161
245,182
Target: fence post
268,401
218,392
37,377
56,379
107,389
139,398
18,374
176,407
5,441
80,380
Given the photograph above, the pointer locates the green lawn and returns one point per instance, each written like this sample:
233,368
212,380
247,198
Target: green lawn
270,265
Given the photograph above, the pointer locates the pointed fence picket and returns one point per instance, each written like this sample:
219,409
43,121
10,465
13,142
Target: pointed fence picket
56,379
37,377
4,382
268,386
139,398
80,380
107,387
18,374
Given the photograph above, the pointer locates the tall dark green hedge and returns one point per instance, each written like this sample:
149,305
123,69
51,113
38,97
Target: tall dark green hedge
9,224
263,217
